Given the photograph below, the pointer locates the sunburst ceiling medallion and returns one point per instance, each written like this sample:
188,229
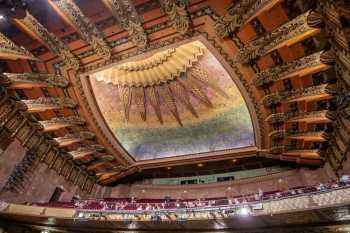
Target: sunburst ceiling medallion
177,101
170,76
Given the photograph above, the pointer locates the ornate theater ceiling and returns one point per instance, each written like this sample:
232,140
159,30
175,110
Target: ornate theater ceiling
178,101
107,89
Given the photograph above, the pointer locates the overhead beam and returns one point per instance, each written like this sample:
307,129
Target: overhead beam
240,13
30,80
37,31
84,151
48,103
59,123
311,64
9,50
73,16
312,93
72,138
127,17
292,32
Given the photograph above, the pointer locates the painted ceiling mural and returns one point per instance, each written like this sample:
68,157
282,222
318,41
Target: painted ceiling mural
179,101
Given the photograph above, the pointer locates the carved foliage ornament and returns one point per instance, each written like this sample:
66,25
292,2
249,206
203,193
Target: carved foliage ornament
9,50
55,44
278,97
56,123
86,150
82,24
74,137
47,80
296,116
125,12
177,12
236,16
279,72
49,103
265,44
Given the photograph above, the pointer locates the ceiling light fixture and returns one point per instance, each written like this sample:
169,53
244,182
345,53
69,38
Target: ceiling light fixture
2,17
244,211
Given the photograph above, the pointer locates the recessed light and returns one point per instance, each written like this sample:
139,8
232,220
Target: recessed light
2,17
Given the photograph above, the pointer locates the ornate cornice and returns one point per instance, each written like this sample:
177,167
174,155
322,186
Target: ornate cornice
289,33
301,93
177,12
72,138
127,17
59,122
87,30
9,50
29,80
317,61
50,40
48,103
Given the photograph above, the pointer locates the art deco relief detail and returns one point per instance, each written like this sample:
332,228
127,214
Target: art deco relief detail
177,12
305,24
315,135
29,80
59,122
81,152
288,69
50,40
159,68
9,50
47,103
238,14
127,17
278,97
87,30
169,76
71,138
300,116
